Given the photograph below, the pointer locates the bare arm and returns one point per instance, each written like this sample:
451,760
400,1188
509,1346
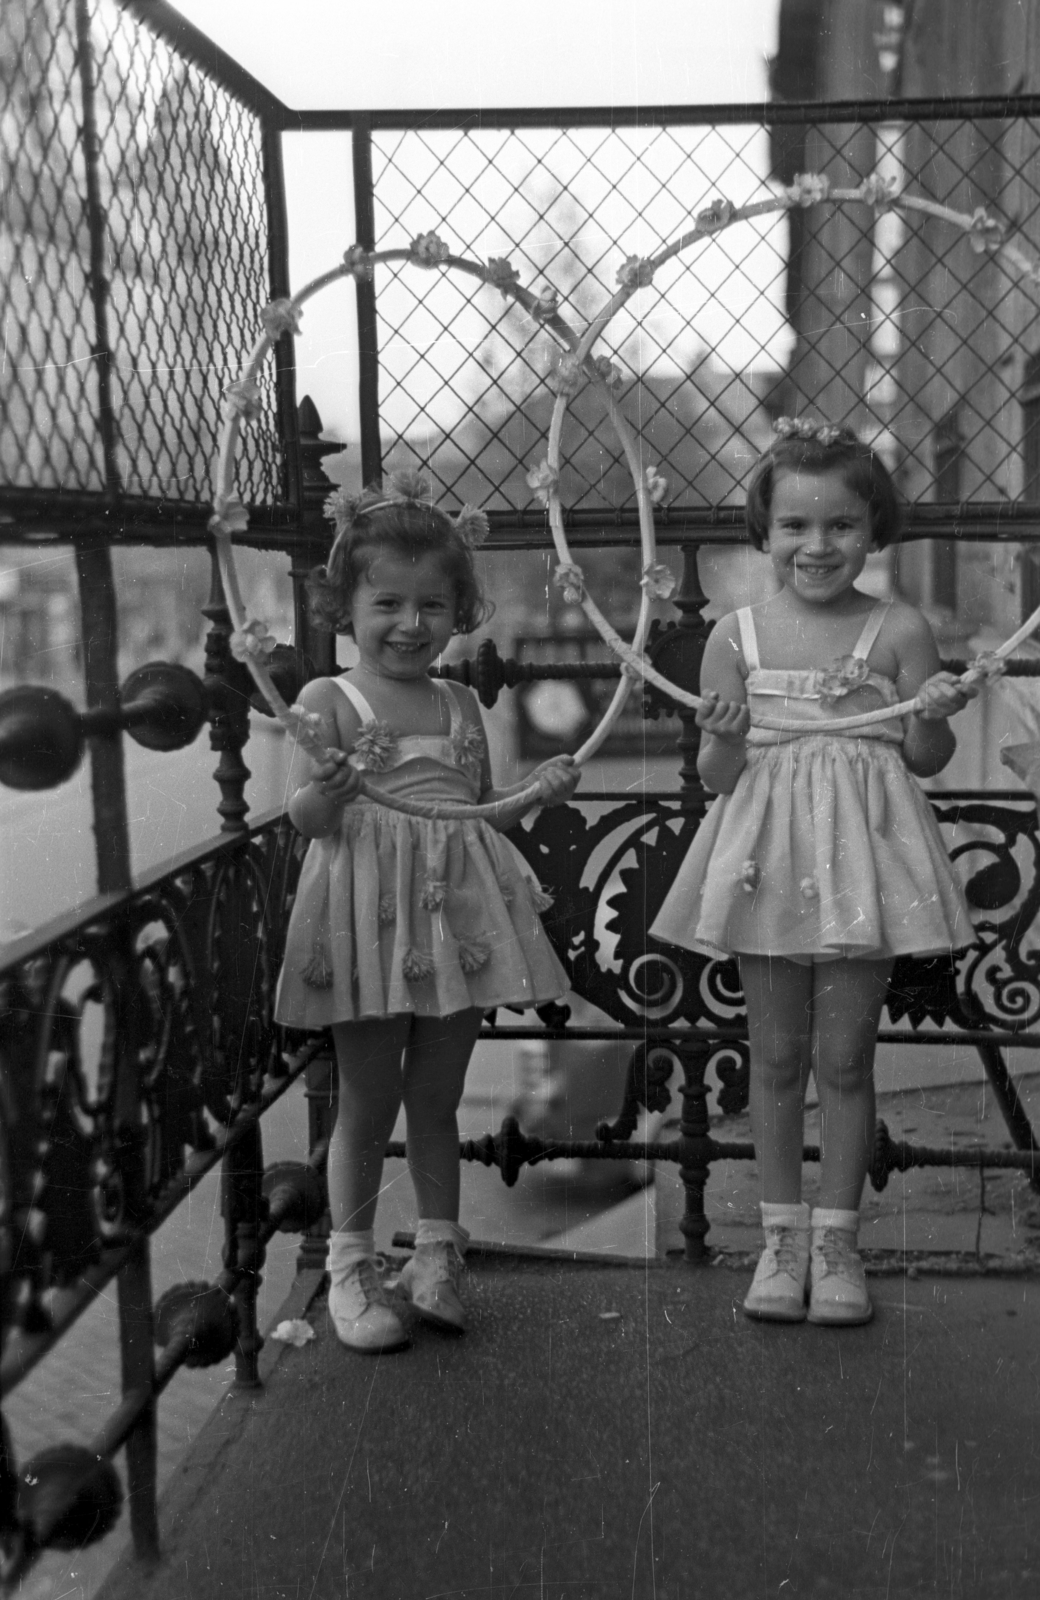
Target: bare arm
724,721
557,779
929,741
318,791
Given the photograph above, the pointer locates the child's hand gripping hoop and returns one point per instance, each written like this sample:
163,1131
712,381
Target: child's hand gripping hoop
252,644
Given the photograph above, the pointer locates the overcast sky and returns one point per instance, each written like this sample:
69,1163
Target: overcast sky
359,53
471,53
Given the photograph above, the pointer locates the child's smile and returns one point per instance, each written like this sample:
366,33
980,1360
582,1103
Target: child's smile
820,534
403,615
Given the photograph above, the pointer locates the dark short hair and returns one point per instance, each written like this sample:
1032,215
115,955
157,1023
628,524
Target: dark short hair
862,468
411,529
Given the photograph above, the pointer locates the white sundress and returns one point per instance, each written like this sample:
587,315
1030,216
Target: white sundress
395,913
828,846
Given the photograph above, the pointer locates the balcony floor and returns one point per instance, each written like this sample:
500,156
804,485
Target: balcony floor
673,1450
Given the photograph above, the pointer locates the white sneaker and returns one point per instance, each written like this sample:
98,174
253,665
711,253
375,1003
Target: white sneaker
839,1284
360,1312
431,1280
777,1292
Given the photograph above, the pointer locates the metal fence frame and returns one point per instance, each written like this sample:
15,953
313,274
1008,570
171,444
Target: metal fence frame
292,521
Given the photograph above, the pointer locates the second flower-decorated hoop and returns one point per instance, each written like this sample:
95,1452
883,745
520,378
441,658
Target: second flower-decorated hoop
578,366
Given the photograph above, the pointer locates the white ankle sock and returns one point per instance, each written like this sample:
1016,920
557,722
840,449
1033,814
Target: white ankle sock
785,1214
345,1248
847,1221
441,1230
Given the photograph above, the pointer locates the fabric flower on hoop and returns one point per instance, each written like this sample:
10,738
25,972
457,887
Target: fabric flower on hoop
608,372
809,889
635,272
543,479
279,317
808,189
715,216
252,642
428,250
229,516
374,747
242,399
547,304
358,263
749,875
501,274
658,581
840,678
988,666
309,720
656,485
472,527
568,377
571,580
876,190
986,234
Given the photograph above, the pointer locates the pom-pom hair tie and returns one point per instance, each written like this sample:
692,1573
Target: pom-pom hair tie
400,488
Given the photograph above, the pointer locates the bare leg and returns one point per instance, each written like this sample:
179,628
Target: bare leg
779,997
370,1085
435,1063
847,1001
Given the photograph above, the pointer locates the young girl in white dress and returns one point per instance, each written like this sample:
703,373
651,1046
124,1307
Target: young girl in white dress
404,931
821,860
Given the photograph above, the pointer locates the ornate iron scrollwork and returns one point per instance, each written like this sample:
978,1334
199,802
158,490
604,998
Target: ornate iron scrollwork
609,869
177,984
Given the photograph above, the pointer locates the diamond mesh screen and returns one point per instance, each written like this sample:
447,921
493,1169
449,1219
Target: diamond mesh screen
897,326
184,241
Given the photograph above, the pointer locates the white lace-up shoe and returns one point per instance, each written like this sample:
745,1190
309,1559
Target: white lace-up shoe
360,1312
839,1284
777,1292
431,1280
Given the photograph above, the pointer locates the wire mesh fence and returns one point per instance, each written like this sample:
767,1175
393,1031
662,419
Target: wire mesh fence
899,325
134,251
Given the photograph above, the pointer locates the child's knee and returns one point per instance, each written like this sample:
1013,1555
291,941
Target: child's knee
429,1104
852,1075
786,1065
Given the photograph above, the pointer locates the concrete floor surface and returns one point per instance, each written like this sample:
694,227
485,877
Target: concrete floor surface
606,1432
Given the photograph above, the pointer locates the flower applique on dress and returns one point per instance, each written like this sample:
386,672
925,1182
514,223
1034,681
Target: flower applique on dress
467,747
396,913
375,747
473,953
840,678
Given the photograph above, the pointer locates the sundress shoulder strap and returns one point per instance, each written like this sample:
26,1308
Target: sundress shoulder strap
357,700
748,638
871,628
446,687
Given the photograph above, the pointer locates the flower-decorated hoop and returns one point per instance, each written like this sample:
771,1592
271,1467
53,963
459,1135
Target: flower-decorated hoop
250,640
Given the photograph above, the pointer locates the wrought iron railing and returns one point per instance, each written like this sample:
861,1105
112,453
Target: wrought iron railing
144,227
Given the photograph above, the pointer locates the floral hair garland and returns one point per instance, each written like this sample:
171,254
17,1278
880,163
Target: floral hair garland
400,488
824,433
